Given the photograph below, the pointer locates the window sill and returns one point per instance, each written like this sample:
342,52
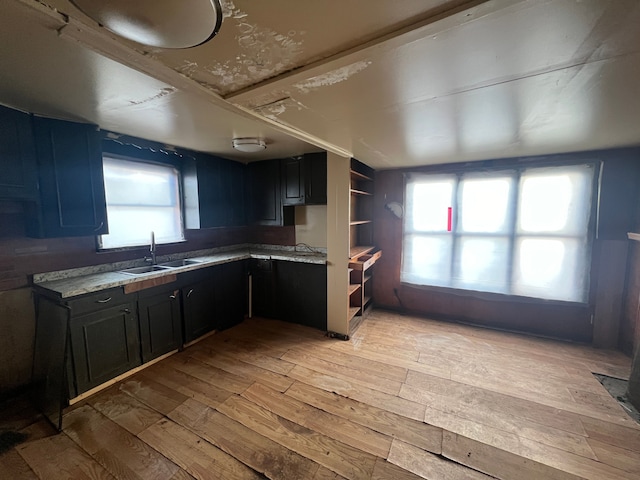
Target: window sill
136,247
633,236
492,296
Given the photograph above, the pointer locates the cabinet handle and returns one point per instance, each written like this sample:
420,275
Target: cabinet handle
189,293
108,299
126,310
99,226
172,297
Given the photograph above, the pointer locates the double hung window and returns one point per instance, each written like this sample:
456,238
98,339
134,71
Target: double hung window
141,198
519,231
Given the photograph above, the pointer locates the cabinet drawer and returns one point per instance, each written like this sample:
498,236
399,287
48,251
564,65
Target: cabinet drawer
97,301
365,261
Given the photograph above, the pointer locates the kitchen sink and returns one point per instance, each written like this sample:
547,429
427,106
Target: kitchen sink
145,269
179,263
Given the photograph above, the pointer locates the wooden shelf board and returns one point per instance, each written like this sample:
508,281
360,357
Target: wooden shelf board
367,300
366,278
353,311
360,175
360,192
354,287
359,222
359,250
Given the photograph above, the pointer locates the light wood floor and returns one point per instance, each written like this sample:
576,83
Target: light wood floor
405,398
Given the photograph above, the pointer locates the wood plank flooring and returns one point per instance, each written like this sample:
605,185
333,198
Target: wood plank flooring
405,398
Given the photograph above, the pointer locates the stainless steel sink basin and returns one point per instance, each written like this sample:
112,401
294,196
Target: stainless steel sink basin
179,263
145,269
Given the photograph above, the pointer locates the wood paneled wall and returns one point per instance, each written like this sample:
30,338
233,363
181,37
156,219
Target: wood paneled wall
21,256
562,320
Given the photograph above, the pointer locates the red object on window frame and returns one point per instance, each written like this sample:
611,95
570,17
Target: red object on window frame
449,217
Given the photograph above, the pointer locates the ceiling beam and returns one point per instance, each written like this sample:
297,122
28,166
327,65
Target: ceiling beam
100,41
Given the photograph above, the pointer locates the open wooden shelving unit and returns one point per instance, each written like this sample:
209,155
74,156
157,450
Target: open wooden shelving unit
362,253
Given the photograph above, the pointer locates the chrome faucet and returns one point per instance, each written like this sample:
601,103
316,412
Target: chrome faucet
152,250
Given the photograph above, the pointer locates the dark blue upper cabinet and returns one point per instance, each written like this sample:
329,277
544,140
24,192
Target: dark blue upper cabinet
304,179
264,197
72,197
18,173
214,192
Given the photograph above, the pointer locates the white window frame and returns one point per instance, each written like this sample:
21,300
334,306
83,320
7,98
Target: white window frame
144,237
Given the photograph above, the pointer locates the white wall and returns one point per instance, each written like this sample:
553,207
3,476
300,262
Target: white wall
311,225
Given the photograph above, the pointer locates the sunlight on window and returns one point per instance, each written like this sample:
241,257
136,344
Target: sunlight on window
529,237
483,263
141,198
540,261
544,203
429,208
428,258
485,205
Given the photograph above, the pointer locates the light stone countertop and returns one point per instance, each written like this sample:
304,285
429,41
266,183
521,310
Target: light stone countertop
80,281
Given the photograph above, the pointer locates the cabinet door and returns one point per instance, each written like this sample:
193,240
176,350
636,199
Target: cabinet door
231,300
302,289
233,174
72,198
265,204
214,192
18,171
264,296
315,178
293,186
199,307
104,344
160,323
210,193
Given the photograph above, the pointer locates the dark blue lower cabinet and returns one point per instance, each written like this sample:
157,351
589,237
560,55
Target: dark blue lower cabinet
302,293
160,321
104,344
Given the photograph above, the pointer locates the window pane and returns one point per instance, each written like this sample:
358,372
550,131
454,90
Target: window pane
426,259
427,202
141,198
482,264
555,200
552,268
130,226
135,183
485,204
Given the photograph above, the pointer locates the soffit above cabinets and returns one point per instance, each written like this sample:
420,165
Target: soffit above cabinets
394,84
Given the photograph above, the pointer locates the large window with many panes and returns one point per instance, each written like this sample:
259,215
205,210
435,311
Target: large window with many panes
521,231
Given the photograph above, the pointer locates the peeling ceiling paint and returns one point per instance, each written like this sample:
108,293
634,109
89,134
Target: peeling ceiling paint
274,109
188,68
263,52
331,78
162,93
276,103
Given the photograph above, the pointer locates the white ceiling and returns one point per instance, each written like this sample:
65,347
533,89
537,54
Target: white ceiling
394,84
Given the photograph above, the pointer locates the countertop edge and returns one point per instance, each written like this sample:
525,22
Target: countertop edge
81,285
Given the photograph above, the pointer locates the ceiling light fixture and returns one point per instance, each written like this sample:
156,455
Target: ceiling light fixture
249,145
166,24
